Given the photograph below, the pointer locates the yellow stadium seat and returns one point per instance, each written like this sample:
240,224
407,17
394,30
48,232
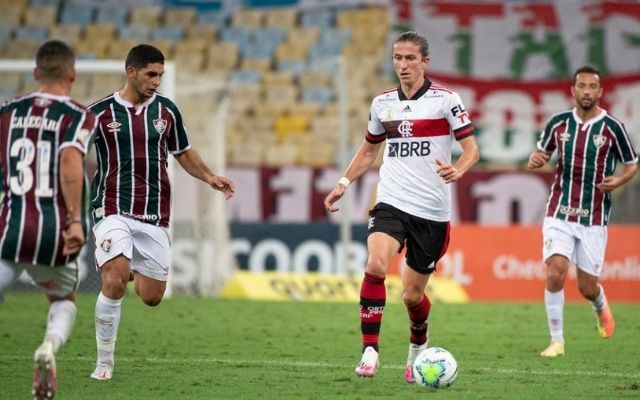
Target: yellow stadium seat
283,18
148,16
248,17
183,16
69,34
44,15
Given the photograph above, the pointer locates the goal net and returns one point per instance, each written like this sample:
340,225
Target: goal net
201,261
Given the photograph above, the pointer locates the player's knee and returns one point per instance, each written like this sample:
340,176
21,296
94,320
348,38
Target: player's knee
377,266
113,286
152,300
588,290
412,296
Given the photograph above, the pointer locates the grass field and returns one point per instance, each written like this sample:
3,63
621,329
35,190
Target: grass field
221,349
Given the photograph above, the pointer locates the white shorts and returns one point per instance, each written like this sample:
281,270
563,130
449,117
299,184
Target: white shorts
146,246
582,245
54,281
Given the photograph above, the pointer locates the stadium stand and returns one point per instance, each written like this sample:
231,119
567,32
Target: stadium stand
279,62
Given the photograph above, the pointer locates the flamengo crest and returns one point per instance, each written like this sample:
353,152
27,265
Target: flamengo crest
160,125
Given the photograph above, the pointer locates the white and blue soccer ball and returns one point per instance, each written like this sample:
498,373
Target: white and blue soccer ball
435,367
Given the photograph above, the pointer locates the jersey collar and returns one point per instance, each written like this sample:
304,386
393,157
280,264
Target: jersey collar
419,93
128,104
598,117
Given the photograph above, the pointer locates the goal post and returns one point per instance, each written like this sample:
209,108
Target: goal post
202,103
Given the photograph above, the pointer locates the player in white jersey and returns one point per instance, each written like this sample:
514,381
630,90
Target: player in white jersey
419,120
589,142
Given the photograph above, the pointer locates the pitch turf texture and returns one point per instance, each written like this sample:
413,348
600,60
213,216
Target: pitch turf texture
221,349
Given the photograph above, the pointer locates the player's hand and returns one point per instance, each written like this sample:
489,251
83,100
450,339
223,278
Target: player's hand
537,159
223,185
447,172
335,195
609,183
73,238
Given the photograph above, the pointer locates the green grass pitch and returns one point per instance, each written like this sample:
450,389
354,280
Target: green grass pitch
190,348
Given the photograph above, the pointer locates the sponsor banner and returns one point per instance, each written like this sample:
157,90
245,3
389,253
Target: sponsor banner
328,288
295,195
510,114
525,40
505,264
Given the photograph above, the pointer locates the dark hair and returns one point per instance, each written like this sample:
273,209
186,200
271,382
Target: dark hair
142,55
586,69
417,39
54,60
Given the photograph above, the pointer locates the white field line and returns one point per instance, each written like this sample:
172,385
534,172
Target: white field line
312,364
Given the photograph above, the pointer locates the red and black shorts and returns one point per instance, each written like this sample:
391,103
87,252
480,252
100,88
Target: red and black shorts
426,240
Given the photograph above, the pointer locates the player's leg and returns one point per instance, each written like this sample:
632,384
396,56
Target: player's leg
9,274
151,261
373,296
590,259
557,250
114,248
59,284
427,242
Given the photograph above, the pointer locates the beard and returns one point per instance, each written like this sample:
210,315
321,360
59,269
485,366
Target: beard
587,104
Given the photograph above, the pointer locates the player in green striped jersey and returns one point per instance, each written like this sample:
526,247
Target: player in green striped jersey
131,195
589,142
43,139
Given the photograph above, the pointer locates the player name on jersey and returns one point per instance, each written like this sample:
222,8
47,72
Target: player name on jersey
35,121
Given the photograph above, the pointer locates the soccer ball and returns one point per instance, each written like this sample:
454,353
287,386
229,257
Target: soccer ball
435,367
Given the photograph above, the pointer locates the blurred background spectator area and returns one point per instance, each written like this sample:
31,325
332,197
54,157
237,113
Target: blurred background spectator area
277,62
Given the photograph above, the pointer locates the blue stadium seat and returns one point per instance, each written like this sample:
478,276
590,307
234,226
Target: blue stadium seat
240,35
257,50
77,14
323,19
137,32
113,14
5,33
335,37
318,95
172,33
213,17
294,67
36,33
246,77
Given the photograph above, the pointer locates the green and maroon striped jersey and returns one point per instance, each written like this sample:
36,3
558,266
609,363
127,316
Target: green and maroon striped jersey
33,130
587,152
132,147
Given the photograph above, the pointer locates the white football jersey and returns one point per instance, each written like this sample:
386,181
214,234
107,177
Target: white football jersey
418,131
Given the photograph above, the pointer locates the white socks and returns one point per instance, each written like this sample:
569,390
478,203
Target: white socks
554,303
62,315
599,302
107,321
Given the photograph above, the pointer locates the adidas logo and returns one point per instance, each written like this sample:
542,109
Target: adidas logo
406,109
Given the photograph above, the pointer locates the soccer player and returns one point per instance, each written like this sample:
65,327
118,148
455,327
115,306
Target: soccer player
419,119
131,193
43,218
589,142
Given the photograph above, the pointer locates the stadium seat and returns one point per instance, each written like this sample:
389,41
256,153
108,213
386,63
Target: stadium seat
136,32
250,154
10,85
274,78
291,51
180,16
148,16
119,48
281,154
294,67
212,17
222,55
115,15
11,15
283,17
172,33
314,79
206,32
248,18
99,31
291,124
245,77
305,109
76,14
243,36
304,36
6,32
45,15
318,153
318,95
323,19
69,34
36,33
258,64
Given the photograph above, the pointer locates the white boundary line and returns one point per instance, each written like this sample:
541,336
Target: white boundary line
311,364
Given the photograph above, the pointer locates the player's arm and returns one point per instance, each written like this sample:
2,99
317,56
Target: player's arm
470,155
360,163
71,175
610,183
192,163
